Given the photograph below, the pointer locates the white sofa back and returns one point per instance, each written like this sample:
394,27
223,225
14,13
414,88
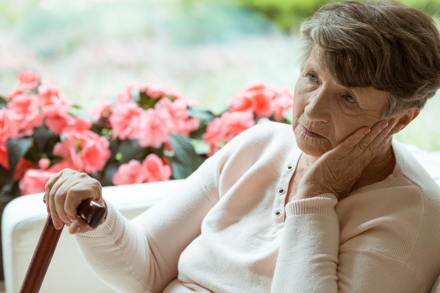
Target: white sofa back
23,221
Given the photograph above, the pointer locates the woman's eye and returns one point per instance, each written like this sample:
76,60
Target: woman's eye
313,77
349,98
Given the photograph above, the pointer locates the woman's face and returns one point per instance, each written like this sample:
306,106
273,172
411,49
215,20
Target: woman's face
330,111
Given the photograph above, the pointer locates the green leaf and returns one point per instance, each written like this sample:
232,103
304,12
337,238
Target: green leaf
131,150
200,146
288,115
109,171
199,132
3,103
146,102
76,106
17,148
200,113
4,177
185,156
9,191
43,138
33,155
179,171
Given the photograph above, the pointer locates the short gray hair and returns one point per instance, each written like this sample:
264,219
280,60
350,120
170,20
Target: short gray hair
384,44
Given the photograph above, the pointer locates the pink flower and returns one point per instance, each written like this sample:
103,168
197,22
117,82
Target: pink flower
130,173
8,127
155,91
44,163
155,170
49,95
123,98
175,115
215,133
242,103
257,98
282,102
87,150
4,155
152,129
58,118
104,109
81,124
125,120
78,124
229,125
34,181
27,80
237,122
26,113
62,165
189,125
22,167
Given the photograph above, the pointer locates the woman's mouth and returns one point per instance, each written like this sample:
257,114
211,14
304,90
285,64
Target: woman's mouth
309,133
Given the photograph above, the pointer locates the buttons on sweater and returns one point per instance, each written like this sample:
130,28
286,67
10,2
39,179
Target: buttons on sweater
277,213
281,191
290,167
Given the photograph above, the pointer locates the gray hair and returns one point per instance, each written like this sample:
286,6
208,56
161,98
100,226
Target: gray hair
384,44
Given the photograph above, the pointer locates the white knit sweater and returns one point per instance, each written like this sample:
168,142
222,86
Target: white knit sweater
223,229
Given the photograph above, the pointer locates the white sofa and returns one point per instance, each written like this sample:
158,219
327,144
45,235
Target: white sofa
23,221
24,217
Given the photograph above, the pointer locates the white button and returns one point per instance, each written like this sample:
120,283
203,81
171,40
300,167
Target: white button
290,167
277,213
281,190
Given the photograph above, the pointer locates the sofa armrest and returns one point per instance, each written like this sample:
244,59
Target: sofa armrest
22,223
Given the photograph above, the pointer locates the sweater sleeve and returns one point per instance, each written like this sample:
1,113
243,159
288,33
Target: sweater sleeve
308,255
141,255
310,260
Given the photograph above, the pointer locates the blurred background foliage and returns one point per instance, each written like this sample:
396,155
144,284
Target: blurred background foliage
289,13
208,50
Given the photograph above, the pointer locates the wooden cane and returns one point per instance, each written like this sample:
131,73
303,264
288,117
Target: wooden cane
90,211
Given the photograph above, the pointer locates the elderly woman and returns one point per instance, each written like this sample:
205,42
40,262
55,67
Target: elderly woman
333,206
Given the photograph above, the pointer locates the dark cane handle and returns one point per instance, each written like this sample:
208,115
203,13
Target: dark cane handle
90,211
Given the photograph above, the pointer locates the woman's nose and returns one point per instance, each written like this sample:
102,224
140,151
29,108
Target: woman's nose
319,107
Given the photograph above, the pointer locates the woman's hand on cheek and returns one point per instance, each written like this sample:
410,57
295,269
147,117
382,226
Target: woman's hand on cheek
338,170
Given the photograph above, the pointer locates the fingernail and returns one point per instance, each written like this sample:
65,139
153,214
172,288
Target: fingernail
78,229
57,224
70,217
366,131
383,125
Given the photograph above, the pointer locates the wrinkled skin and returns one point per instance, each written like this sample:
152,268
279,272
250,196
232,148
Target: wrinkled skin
65,191
355,141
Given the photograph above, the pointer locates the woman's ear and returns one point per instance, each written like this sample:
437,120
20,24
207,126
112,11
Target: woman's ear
404,118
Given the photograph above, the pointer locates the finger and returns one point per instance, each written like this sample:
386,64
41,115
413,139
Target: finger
380,139
55,218
75,196
60,199
52,202
79,226
48,187
350,142
397,128
51,182
366,141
